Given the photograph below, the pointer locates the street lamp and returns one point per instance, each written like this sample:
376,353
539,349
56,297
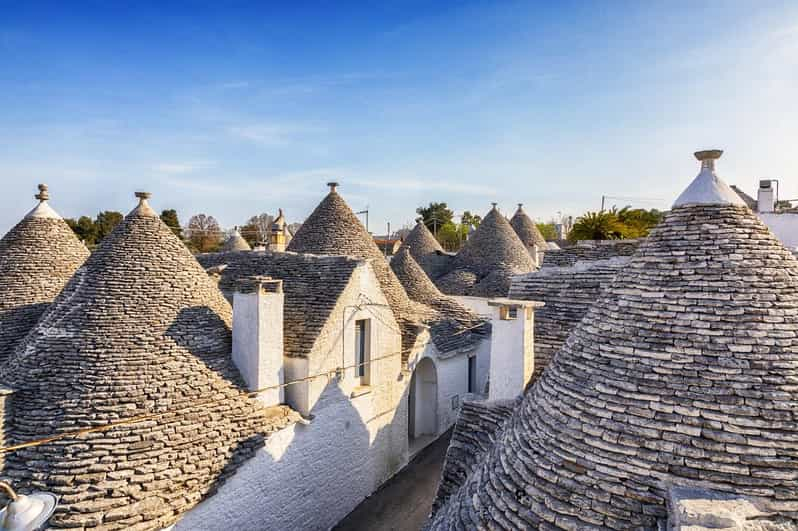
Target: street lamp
26,513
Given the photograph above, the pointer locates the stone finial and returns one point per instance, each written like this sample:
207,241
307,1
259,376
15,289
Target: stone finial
708,157
43,194
494,205
144,207
333,185
520,205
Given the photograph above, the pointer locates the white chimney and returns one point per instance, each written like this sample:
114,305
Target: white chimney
766,197
258,335
512,351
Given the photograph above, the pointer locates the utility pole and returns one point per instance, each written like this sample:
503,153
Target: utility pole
602,202
366,212
387,239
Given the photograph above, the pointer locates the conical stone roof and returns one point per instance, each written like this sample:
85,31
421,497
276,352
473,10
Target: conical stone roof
526,230
37,258
236,242
140,329
488,260
458,326
494,245
426,250
333,229
683,373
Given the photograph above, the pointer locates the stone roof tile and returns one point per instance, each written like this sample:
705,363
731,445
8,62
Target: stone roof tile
140,329
487,261
454,327
426,250
312,285
527,231
684,372
236,242
37,258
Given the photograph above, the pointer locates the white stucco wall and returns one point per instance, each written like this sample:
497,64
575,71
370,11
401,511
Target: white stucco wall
452,381
310,477
258,342
512,355
784,226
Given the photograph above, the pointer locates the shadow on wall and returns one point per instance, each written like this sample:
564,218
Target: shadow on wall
309,477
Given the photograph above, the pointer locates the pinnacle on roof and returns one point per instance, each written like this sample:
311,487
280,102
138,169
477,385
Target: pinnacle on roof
707,188
425,249
236,242
332,228
682,373
494,245
526,229
140,329
37,258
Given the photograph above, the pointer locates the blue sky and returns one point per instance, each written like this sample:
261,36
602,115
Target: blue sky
233,109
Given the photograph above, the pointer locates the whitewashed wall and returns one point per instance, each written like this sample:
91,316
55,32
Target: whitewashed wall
310,477
784,226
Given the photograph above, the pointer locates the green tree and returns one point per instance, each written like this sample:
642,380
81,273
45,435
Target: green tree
548,230
602,225
450,236
469,219
637,222
105,223
436,215
169,217
84,228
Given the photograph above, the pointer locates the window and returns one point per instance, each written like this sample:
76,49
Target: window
362,354
508,313
472,374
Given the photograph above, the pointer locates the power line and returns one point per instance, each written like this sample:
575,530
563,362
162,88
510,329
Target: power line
338,371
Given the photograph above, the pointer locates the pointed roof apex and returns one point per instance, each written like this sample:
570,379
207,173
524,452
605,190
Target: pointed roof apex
707,188
43,209
144,207
333,185
43,194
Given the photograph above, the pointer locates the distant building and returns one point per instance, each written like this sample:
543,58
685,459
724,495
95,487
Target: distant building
782,221
236,242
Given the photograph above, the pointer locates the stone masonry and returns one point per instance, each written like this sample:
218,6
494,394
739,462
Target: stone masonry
139,330
684,373
37,258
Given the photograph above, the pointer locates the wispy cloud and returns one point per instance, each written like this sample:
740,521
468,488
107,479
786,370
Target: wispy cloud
177,168
272,134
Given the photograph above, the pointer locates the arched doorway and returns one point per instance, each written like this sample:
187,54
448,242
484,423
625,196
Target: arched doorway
422,404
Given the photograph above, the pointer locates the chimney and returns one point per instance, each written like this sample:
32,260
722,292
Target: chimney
258,335
512,352
766,197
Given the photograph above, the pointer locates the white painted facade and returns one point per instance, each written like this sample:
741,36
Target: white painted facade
359,430
511,356
433,409
258,337
311,476
784,225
